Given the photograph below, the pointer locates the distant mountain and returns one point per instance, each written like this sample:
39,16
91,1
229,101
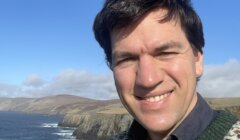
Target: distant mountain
223,102
59,104
228,104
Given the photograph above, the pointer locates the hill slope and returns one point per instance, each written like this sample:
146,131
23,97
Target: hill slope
59,104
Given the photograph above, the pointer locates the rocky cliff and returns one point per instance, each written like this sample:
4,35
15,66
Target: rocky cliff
94,118
100,126
233,109
98,123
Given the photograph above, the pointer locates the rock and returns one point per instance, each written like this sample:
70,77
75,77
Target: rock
232,109
101,126
71,120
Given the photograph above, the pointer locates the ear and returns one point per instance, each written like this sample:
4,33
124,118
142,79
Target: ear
199,64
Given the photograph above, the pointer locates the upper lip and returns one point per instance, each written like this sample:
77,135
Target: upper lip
153,94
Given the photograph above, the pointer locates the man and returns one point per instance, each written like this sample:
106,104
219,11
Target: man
154,48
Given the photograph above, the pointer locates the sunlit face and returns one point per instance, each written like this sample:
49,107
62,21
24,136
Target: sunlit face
155,71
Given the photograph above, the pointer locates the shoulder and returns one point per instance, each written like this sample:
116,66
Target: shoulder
220,126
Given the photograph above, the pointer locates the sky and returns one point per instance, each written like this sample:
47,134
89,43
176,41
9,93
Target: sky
47,47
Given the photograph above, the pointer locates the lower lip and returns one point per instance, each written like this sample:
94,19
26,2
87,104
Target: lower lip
146,105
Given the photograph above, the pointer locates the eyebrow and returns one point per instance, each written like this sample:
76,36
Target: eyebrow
122,54
168,45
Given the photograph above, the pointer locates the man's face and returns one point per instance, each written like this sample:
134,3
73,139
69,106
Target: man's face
155,71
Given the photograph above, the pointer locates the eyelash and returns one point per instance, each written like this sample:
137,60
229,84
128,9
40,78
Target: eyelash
161,54
125,59
166,53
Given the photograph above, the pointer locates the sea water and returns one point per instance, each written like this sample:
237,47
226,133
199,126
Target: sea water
23,126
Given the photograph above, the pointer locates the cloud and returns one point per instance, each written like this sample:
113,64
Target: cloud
83,83
218,81
221,80
74,82
34,81
9,90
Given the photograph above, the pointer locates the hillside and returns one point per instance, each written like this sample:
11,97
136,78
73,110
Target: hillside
223,102
229,104
59,104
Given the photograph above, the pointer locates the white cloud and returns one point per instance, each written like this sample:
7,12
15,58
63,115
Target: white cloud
75,82
33,80
217,81
221,80
9,90
82,83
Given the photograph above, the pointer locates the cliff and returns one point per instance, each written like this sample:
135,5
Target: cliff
104,118
101,126
98,123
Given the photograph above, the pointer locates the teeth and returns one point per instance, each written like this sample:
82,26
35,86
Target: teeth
157,98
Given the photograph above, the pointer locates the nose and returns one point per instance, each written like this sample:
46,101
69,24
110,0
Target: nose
148,74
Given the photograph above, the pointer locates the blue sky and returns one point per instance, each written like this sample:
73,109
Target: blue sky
48,43
46,36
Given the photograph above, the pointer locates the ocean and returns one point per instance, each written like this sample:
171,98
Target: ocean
23,126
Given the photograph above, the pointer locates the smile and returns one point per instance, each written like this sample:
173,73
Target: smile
157,98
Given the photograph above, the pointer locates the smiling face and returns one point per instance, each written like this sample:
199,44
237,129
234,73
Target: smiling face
155,71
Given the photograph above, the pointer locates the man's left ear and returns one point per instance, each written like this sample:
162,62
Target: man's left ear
199,63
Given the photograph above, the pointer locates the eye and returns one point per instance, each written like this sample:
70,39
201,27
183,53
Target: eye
124,61
167,54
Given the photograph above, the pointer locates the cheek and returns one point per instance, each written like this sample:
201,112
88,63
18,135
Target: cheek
175,71
181,71
124,81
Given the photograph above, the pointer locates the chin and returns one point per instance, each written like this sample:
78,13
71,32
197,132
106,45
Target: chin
156,125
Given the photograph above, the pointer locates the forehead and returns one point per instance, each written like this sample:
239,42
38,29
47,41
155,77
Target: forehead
149,31
122,32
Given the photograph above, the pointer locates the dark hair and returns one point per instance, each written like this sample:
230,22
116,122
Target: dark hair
119,14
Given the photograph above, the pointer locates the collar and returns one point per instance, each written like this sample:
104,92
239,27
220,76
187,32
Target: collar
196,122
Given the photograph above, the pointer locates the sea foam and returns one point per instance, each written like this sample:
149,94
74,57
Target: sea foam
54,125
